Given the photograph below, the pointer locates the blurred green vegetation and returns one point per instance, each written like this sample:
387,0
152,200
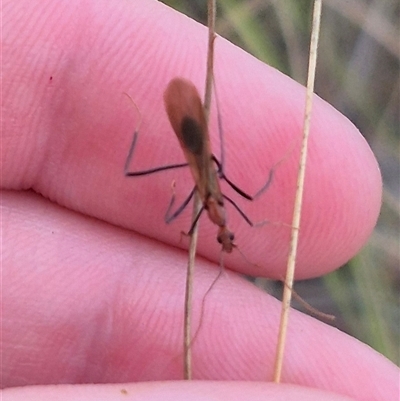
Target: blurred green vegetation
358,73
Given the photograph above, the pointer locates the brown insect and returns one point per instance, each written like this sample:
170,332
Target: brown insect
186,115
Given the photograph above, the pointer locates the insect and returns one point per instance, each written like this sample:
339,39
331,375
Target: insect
186,115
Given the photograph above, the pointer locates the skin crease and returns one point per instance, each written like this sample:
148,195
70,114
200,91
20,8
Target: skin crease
93,279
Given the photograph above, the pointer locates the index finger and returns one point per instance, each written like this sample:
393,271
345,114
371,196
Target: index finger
75,127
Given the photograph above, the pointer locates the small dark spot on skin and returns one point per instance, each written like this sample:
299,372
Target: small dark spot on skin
124,391
192,135
51,78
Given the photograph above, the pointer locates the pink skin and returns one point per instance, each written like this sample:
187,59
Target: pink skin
92,278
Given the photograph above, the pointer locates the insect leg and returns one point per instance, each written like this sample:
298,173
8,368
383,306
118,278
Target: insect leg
221,133
221,164
266,185
238,209
222,175
149,171
190,232
169,217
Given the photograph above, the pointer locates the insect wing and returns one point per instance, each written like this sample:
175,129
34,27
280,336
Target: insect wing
186,115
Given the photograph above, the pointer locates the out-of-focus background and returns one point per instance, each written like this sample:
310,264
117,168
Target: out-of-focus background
358,73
